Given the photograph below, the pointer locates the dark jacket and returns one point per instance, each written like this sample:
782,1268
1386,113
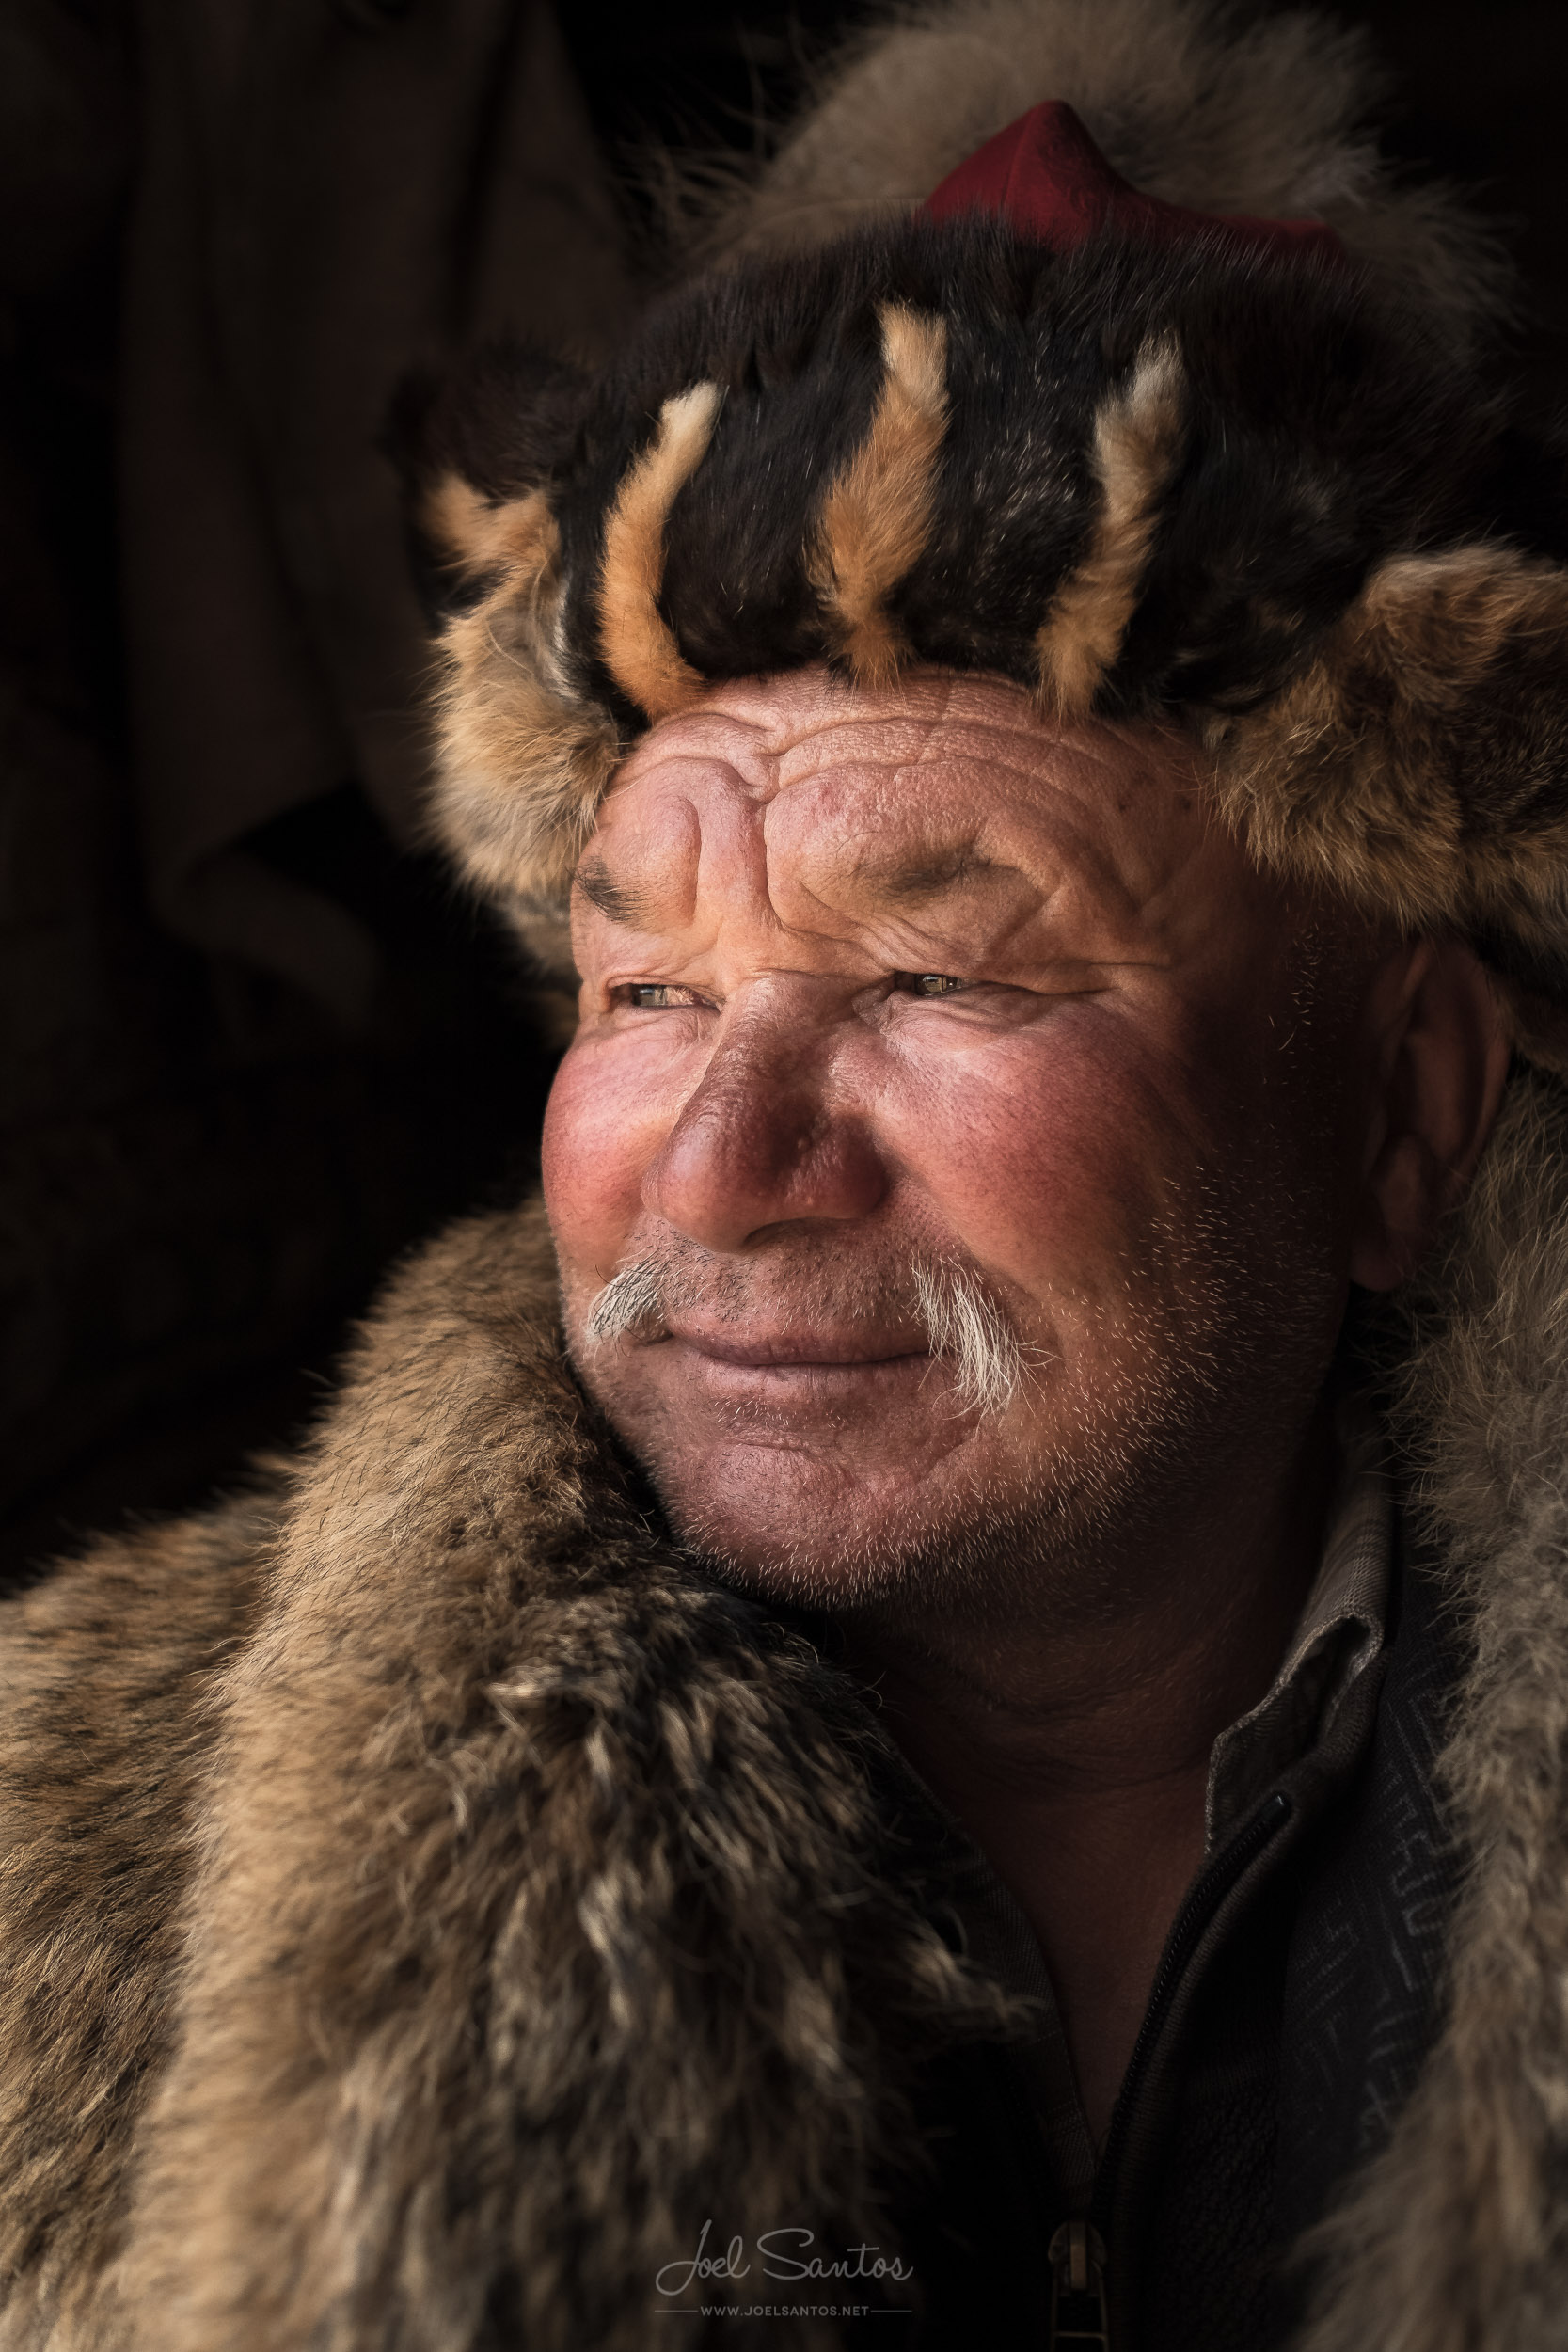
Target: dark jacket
1299,1992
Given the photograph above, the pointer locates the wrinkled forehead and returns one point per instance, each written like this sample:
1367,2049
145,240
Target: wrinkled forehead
839,789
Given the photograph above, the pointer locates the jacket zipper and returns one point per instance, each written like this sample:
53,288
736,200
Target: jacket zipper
1078,2314
1080,2297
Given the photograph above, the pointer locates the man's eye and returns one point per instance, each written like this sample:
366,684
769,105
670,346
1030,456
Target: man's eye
658,996
928,983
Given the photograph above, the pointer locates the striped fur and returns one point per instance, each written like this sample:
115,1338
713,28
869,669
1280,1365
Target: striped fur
877,516
1136,443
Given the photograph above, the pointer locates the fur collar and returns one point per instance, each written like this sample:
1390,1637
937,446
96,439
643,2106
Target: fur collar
1456,2240
534,1909
422,1901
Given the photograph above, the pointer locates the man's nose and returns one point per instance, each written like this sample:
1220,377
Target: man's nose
764,1140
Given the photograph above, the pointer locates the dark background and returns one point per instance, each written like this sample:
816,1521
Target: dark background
202,1176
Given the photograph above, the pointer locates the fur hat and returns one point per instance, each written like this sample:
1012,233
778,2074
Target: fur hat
1251,479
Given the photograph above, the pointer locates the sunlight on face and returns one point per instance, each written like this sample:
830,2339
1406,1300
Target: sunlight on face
906,1007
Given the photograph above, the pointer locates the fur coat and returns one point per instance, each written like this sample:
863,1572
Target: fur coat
423,1900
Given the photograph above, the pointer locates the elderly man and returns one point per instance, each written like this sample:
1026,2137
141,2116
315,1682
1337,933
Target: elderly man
934,1701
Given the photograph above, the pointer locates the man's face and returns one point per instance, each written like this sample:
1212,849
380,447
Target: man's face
969,1121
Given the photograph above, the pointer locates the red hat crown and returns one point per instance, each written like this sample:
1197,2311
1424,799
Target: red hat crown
1045,175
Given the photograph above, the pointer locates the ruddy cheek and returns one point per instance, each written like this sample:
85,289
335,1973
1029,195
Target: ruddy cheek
1033,1152
600,1131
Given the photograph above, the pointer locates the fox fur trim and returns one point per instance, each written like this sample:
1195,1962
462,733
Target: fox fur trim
877,516
638,644
425,1902
1136,443
1421,763
523,765
422,1901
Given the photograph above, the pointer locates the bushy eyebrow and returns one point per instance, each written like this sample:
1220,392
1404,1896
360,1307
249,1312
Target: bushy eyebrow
902,879
912,877
621,904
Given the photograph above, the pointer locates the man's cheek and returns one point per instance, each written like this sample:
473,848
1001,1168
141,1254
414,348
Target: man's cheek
1036,1163
601,1132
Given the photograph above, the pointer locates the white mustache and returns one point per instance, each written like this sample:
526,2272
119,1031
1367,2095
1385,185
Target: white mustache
632,1300
962,1323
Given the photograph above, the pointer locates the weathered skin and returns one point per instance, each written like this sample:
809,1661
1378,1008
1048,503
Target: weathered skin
1137,1116
1167,1108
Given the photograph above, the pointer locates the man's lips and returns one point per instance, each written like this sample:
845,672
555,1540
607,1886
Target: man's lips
790,1351
793,1381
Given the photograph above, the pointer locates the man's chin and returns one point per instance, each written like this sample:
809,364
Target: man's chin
854,1556
800,1518
833,1584
961,1520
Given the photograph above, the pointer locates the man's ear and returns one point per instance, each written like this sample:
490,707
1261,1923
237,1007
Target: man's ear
1440,1055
